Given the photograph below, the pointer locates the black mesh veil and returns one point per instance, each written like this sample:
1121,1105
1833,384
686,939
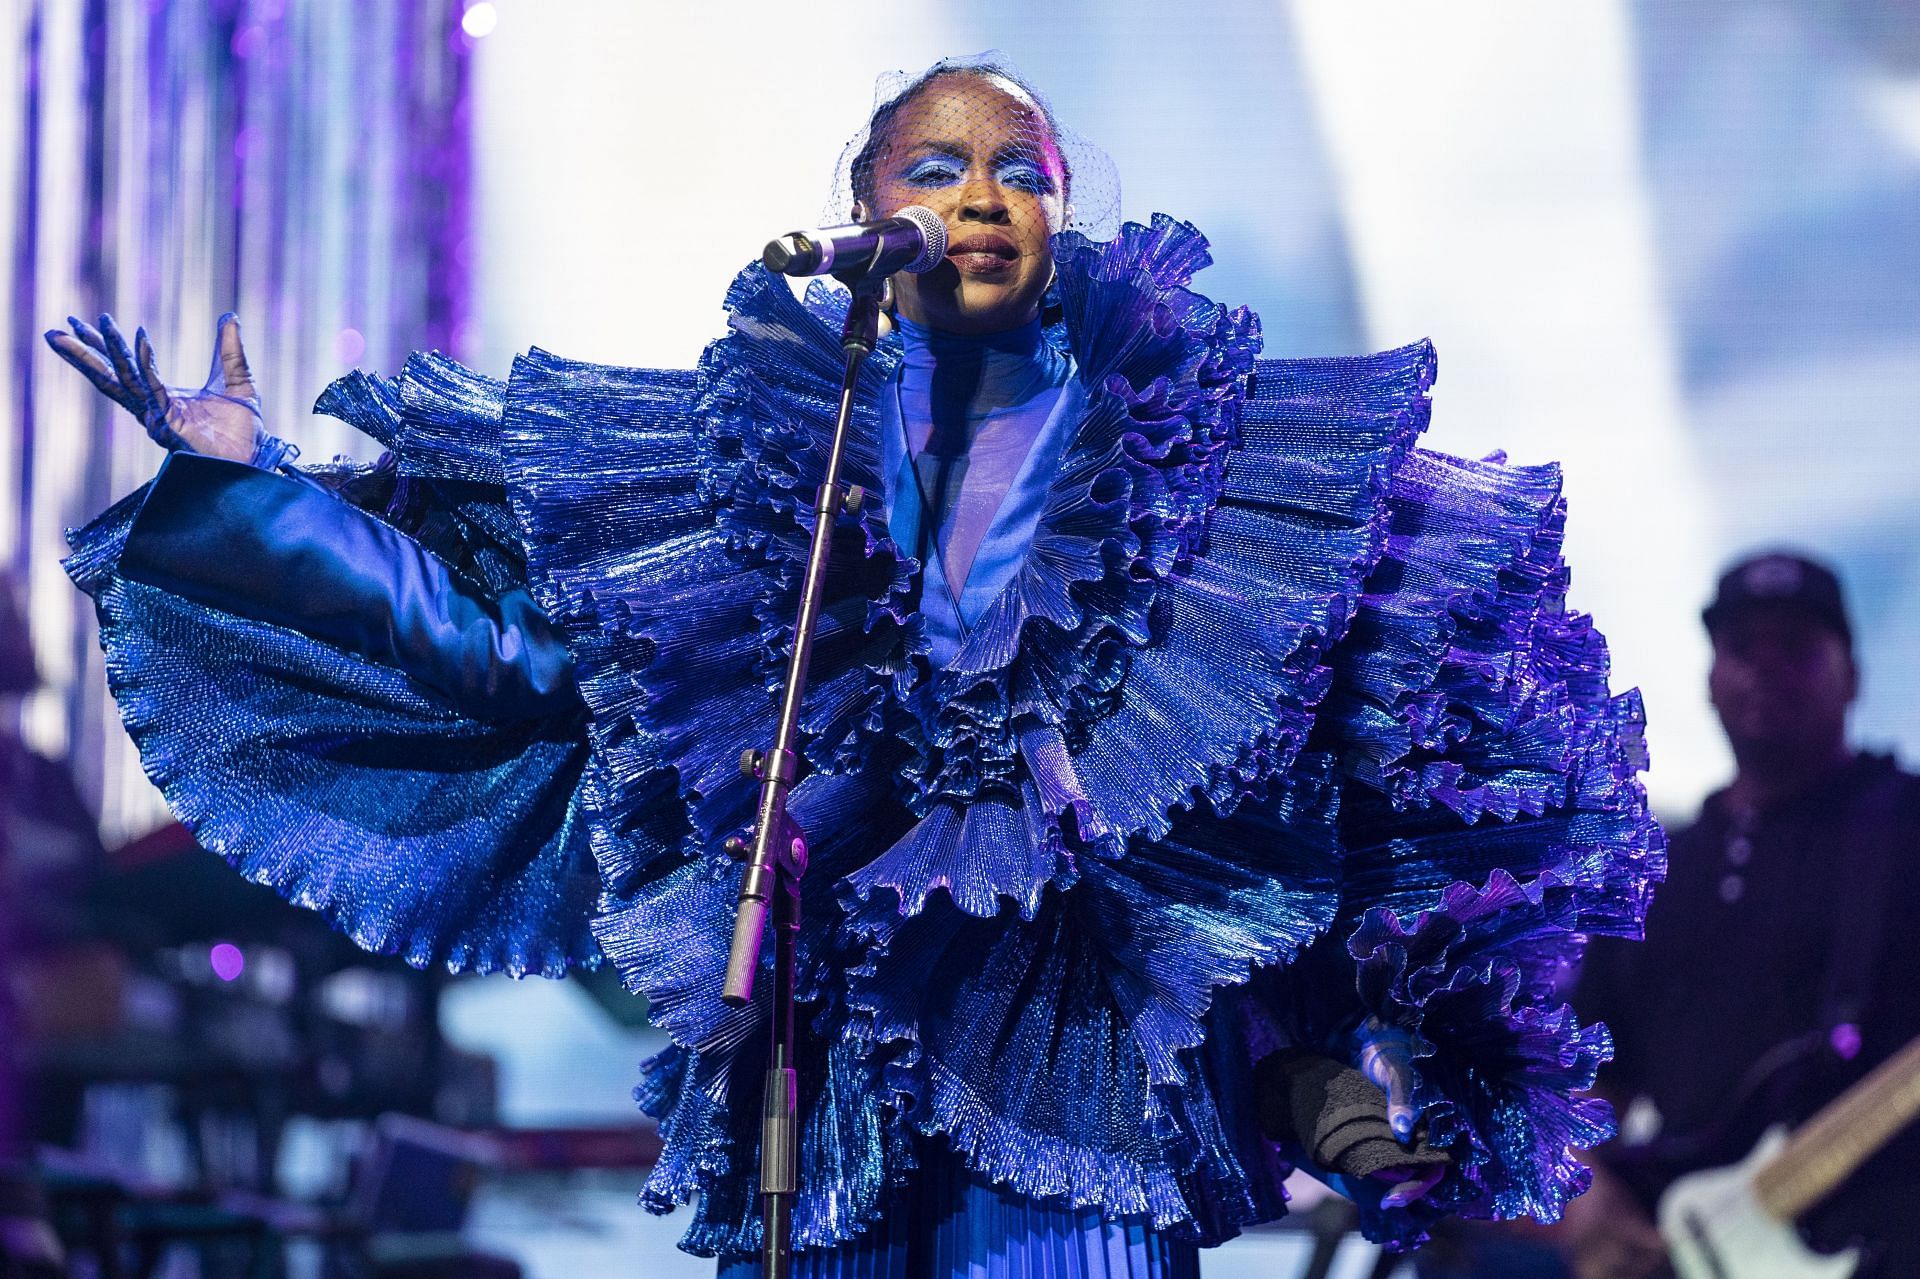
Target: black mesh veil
965,101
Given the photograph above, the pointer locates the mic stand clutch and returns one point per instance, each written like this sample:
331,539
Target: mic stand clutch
776,854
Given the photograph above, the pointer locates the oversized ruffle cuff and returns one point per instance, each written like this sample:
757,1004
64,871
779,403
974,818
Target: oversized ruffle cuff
1493,819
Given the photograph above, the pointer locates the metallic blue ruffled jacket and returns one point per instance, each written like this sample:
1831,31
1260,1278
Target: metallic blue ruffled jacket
1281,723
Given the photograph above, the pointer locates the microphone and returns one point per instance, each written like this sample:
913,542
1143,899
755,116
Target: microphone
914,239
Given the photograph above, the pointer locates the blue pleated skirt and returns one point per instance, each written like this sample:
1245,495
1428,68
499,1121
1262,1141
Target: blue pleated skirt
953,1224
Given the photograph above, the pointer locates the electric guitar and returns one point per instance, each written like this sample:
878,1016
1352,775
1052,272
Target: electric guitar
1738,1222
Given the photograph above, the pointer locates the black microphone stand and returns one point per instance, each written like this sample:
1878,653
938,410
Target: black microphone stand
776,853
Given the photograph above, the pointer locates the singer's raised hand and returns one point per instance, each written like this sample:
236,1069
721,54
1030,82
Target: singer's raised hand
221,419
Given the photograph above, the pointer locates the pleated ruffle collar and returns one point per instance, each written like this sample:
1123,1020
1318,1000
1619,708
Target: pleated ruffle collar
1163,370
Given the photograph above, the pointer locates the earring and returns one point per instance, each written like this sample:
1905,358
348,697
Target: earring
1052,310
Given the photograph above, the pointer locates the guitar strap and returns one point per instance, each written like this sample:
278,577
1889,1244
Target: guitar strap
1860,921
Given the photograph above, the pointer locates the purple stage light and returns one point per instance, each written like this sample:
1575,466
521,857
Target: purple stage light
228,961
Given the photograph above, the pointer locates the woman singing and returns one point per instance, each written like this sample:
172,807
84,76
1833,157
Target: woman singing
1200,779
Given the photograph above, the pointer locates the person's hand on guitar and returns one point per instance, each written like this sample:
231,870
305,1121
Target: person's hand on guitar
219,419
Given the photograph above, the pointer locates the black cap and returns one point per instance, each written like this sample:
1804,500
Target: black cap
1784,581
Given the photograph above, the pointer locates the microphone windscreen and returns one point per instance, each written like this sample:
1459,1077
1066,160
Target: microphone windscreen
934,230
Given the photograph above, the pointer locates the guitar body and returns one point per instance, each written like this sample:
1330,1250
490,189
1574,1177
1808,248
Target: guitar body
1715,1228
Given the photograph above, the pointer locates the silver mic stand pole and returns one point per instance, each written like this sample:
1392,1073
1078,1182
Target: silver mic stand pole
776,853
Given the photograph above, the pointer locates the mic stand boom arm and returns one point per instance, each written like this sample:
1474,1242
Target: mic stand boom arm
776,855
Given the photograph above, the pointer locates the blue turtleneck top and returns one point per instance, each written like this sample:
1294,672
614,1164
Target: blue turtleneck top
971,440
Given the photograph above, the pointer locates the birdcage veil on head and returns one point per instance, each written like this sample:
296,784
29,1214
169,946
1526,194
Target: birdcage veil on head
979,88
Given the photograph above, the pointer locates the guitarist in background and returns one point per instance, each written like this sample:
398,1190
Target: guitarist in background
1780,964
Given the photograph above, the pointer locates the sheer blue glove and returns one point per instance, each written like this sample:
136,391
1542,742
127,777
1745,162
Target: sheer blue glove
1384,1054
220,419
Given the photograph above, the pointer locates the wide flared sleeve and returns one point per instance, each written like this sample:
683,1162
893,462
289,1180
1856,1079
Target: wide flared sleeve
359,705
1491,820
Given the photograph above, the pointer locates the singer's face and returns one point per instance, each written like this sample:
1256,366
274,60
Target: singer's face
985,161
